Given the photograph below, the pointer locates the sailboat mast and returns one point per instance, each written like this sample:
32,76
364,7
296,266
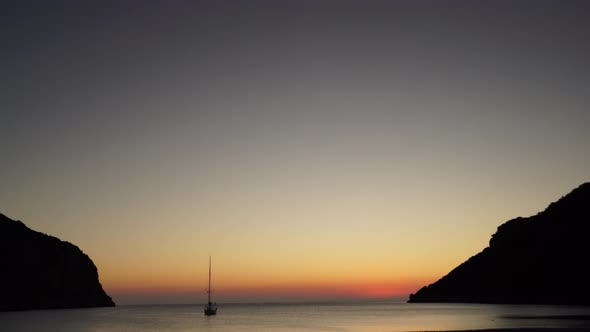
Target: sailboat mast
209,291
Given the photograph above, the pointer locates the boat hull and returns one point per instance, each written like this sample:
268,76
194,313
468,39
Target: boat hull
210,311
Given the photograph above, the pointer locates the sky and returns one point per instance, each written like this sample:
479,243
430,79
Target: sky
317,150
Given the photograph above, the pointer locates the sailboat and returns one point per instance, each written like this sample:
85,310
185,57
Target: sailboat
210,308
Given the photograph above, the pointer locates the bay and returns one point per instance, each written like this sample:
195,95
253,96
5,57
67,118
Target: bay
361,316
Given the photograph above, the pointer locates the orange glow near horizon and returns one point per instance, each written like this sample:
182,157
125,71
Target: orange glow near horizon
275,292
191,286
350,273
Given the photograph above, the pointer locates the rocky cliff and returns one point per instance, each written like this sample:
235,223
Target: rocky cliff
41,272
541,259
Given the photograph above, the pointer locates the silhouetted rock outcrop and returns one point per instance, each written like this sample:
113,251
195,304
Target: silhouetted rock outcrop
541,259
38,271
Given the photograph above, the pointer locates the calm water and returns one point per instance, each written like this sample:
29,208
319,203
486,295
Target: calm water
296,317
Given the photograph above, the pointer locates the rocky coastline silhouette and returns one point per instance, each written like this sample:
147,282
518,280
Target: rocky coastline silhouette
541,259
42,272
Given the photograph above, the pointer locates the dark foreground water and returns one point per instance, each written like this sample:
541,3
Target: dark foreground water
298,317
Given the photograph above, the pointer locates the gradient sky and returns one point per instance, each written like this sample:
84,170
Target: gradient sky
317,150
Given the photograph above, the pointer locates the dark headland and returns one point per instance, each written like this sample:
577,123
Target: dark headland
42,272
542,259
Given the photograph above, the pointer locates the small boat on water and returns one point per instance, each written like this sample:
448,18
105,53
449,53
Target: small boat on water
210,308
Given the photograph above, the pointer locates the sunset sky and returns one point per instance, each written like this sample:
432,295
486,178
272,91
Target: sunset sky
316,150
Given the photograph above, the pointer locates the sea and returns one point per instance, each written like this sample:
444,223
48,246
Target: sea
362,316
